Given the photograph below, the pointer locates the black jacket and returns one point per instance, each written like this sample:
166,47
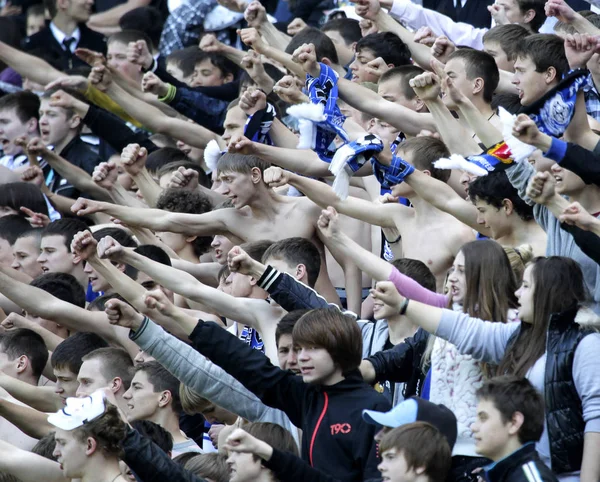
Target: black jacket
45,42
335,439
474,12
150,464
402,364
79,154
288,467
524,465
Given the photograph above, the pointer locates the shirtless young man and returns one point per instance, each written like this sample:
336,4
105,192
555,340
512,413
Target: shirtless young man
258,213
428,235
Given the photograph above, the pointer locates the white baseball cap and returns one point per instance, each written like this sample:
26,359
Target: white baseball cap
78,411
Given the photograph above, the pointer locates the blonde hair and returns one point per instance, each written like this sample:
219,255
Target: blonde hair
519,257
191,401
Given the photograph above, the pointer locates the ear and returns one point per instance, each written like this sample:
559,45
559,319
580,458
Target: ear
32,126
116,384
253,281
478,85
191,239
391,66
418,104
353,46
371,123
419,470
516,423
91,446
550,75
326,61
256,175
508,206
121,267
426,172
529,16
74,122
300,271
22,363
76,258
165,398
228,78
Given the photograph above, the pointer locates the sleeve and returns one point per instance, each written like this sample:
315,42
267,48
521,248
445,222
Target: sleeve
397,364
288,467
195,371
275,387
484,340
113,130
586,366
573,157
150,463
102,100
415,17
410,289
290,293
202,109
587,241
366,449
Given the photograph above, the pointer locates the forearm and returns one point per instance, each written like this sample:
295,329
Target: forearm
454,135
110,18
50,339
487,133
29,421
29,66
233,54
27,466
123,197
204,272
79,178
274,37
426,316
557,205
316,191
285,60
282,136
43,399
590,463
301,161
148,186
583,25
374,266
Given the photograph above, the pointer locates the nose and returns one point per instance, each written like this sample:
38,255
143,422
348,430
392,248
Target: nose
215,242
555,168
41,258
15,264
87,268
127,395
180,144
353,66
480,219
518,293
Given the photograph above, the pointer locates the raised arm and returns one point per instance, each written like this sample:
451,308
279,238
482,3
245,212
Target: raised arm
27,466
43,399
34,68
31,422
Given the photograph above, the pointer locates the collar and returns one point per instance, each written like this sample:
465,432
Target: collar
59,35
498,470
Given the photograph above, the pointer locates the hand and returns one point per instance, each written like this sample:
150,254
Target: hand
328,223
157,300
442,48
76,82
93,59
241,145
386,291
14,321
84,245
242,441
295,26
239,261
235,5
100,77
184,178
133,159
123,314
425,36
34,175
9,10
576,215
579,49
151,83
36,147
83,207
252,101
289,89
387,198
426,133
105,175
560,10
306,57
209,43
213,433
139,53
427,86
526,130
255,14
541,187
377,67
110,248
61,99
498,13
37,220
252,63
367,27
252,38
367,8
275,177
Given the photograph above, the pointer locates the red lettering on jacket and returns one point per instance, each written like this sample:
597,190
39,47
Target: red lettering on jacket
340,428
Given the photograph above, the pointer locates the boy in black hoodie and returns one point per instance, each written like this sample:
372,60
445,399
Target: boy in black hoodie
510,420
326,403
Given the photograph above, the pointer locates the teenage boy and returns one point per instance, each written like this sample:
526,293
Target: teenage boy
23,355
501,42
510,420
19,115
344,33
154,395
67,31
258,212
26,250
60,128
326,404
416,225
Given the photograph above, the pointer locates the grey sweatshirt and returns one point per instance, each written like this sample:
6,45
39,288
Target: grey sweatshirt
206,378
560,243
487,341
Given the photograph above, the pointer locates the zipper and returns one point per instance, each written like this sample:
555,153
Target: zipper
314,435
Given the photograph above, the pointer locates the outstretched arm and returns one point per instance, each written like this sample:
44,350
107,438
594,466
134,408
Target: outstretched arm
29,421
27,466
34,68
43,399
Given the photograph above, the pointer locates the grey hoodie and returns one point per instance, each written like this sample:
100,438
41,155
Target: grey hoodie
206,378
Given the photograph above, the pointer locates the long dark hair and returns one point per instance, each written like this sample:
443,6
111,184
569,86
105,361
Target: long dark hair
558,285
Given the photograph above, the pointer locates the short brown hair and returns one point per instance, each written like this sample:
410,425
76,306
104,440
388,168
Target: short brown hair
511,394
416,270
115,363
421,445
403,75
241,163
257,249
211,466
273,434
162,381
334,331
508,37
108,430
295,251
425,151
